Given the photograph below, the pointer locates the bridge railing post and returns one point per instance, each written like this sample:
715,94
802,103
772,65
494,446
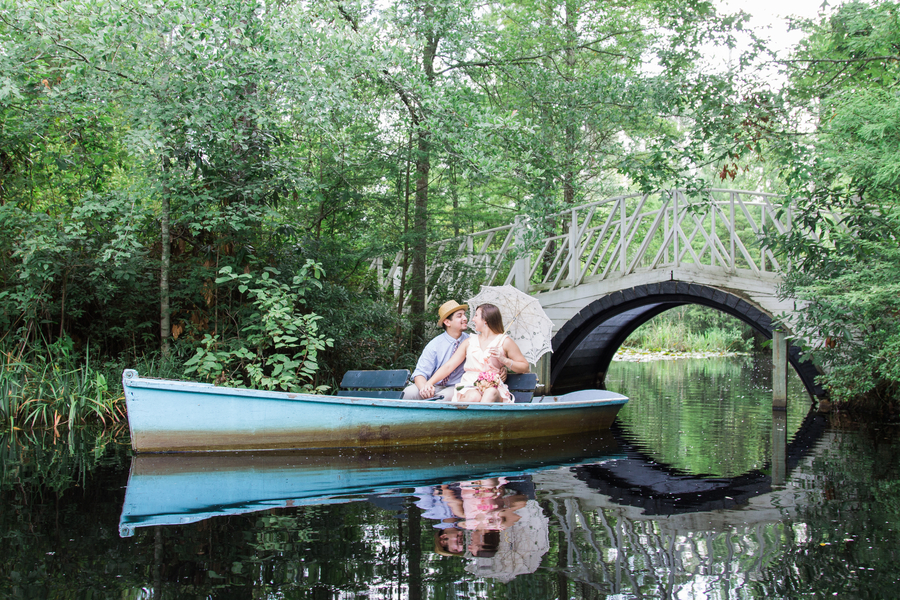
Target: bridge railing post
623,236
731,236
574,252
712,233
522,265
395,274
676,229
379,271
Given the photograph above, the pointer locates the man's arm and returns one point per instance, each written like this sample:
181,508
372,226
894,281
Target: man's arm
425,368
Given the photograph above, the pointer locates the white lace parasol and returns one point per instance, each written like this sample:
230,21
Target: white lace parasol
523,317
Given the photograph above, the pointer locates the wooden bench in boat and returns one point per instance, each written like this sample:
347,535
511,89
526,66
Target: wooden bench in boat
521,385
374,384
390,384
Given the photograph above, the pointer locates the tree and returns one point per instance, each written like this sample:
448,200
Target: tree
201,98
841,166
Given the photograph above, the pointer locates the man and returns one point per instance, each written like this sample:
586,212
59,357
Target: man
452,318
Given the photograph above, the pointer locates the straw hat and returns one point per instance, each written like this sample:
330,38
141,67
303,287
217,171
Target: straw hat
448,308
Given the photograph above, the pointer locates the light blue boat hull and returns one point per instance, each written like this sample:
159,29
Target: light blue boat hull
179,416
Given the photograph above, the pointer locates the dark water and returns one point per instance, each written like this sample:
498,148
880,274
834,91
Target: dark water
699,492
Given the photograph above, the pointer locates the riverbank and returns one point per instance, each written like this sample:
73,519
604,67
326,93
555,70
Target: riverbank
642,355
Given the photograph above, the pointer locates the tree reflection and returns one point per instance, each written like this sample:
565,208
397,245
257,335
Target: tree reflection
829,531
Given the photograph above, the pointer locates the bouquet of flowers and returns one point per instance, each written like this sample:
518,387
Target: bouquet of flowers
487,380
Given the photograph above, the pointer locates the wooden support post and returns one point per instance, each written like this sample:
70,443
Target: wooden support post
779,447
779,370
542,370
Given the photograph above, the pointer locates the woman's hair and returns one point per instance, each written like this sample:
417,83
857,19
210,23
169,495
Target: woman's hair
487,546
492,318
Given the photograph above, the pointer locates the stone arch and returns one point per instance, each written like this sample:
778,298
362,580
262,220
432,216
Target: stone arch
583,348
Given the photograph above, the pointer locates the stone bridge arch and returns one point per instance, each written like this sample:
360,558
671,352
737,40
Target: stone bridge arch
584,346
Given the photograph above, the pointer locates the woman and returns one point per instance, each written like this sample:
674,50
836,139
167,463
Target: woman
484,354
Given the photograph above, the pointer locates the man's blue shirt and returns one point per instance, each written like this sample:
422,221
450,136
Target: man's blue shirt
436,353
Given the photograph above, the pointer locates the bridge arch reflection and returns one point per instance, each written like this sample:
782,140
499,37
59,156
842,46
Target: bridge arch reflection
633,478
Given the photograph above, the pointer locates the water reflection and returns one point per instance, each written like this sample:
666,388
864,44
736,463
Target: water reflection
582,520
709,417
637,479
495,523
170,489
491,509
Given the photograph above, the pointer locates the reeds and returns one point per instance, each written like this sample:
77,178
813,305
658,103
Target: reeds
676,336
55,389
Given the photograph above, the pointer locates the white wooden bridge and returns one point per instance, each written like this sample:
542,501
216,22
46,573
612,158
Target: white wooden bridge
602,269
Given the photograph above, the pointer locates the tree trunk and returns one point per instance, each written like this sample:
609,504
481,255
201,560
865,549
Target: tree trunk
417,279
414,553
418,283
403,192
165,316
571,132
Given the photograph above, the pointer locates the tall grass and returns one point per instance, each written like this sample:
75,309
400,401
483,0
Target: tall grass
54,386
676,332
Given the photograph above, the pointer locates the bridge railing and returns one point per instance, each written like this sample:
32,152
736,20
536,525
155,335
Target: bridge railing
618,236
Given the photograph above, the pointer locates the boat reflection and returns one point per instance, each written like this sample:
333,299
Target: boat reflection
173,489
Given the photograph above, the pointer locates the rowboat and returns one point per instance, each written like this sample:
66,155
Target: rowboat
178,489
180,416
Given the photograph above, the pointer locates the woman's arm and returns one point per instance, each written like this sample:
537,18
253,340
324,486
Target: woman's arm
448,367
514,359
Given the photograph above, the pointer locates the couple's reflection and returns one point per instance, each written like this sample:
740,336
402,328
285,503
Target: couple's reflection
495,522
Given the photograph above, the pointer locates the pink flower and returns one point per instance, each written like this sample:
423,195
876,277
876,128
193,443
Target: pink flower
488,379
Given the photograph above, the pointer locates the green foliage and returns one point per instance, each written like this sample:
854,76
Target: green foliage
853,317
693,328
277,345
368,332
262,132
841,165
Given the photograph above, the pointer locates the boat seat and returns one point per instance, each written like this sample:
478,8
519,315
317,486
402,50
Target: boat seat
374,384
522,386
